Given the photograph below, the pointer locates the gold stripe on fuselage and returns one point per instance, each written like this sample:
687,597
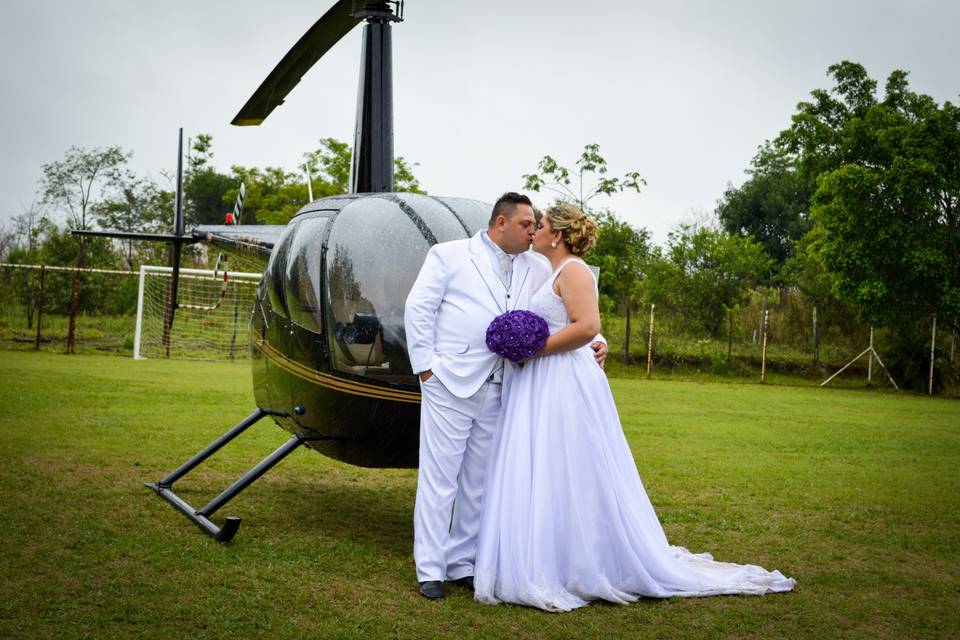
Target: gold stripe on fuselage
332,382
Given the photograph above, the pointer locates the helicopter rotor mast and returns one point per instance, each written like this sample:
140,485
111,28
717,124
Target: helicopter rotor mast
371,168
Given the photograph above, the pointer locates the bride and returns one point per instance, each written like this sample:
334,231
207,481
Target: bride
565,517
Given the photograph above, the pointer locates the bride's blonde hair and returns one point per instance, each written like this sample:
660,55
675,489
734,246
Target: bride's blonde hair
578,230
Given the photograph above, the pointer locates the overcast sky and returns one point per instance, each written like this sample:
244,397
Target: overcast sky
681,91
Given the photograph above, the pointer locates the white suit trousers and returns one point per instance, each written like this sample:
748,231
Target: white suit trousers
455,438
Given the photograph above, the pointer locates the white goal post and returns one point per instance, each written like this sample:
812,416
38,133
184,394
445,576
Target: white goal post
211,318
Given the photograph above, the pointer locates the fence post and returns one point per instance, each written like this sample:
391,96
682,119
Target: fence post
933,342
763,359
650,343
870,360
953,344
816,339
763,316
43,272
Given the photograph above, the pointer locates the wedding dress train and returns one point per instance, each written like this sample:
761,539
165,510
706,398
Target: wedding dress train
566,519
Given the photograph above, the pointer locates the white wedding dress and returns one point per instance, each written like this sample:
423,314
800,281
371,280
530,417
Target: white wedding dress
565,516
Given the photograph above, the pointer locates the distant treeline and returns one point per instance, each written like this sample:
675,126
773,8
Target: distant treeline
853,206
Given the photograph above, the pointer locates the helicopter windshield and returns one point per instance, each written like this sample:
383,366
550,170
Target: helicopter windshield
374,253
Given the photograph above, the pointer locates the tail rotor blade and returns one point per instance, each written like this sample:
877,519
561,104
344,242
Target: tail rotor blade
325,33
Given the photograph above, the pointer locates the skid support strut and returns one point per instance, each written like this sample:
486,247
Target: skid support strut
201,517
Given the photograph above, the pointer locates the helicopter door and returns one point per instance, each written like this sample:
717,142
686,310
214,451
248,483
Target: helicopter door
303,274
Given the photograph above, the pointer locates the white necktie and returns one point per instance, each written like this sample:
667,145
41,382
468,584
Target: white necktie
506,268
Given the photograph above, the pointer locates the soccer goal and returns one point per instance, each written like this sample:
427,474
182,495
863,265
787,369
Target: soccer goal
210,321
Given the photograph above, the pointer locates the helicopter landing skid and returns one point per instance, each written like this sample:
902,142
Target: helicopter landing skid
201,517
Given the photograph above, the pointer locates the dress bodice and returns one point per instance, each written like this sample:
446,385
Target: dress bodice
548,305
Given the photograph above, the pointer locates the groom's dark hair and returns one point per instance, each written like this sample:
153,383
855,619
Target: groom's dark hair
506,204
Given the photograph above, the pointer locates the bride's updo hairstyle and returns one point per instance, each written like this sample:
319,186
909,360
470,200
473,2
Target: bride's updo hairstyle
579,231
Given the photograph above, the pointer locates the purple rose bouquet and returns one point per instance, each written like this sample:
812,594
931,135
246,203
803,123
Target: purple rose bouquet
517,335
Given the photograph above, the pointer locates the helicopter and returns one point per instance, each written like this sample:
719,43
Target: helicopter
326,332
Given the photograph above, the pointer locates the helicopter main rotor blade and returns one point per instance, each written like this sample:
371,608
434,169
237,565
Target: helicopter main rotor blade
325,33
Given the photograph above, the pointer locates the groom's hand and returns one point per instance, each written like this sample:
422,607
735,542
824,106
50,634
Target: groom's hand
599,352
426,375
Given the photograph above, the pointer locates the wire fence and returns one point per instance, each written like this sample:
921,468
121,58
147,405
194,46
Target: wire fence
776,333
69,310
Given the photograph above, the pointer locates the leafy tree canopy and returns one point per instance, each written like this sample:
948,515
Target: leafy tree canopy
73,186
577,186
771,206
274,195
706,273
621,248
888,185
136,204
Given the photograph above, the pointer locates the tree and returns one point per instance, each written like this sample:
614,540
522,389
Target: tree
706,274
329,169
30,228
771,206
74,184
621,248
205,189
621,253
805,271
553,177
60,247
8,239
274,195
403,178
888,188
137,204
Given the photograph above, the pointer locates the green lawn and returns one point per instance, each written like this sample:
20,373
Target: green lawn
854,493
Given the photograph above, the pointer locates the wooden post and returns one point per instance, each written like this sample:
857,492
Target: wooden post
626,332
933,342
953,344
816,339
236,320
650,343
43,273
870,360
763,359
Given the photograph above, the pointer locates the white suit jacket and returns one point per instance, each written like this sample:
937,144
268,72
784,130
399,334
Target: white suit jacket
453,301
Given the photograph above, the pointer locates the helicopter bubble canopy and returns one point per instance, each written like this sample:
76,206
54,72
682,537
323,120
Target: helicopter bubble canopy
354,291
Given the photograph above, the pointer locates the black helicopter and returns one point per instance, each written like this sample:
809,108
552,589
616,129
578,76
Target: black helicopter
329,355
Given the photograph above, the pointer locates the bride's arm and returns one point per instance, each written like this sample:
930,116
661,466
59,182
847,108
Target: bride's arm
579,295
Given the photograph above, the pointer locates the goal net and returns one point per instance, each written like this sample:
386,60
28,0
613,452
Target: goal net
210,322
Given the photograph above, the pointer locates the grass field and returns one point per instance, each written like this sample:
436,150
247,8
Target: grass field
856,494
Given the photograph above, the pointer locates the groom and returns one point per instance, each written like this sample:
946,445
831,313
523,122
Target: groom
463,285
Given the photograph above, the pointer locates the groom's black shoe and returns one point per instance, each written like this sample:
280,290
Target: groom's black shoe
466,582
432,589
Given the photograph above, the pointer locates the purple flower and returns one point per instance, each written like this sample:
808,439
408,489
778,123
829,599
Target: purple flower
517,335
